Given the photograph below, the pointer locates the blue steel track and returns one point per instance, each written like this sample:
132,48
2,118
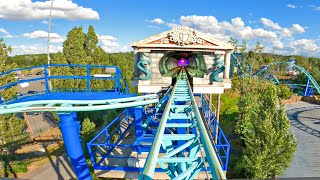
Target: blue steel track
189,148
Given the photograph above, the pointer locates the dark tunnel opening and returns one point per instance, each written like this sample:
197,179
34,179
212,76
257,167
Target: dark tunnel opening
173,61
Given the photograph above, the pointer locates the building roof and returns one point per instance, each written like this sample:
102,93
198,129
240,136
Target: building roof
184,38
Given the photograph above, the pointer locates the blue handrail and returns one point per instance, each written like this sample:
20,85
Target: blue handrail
87,75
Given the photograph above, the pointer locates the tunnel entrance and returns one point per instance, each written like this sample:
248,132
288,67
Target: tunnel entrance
172,62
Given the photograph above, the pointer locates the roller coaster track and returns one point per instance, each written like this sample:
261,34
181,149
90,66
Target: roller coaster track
301,69
182,126
184,142
77,105
238,59
85,100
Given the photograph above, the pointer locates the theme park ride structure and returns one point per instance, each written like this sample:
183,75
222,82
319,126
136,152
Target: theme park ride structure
269,72
181,117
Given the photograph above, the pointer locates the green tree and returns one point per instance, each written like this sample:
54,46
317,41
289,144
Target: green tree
315,72
73,53
74,47
268,142
234,42
11,127
91,42
268,59
87,128
58,84
258,53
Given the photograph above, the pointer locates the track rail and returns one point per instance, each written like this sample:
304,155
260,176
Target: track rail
188,147
77,105
301,69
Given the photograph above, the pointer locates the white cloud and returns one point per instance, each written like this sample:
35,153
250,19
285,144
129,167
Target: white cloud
39,34
34,49
157,21
261,33
270,24
220,37
28,10
6,33
317,8
291,6
172,25
305,45
235,28
277,45
110,44
297,28
44,22
3,31
285,32
274,38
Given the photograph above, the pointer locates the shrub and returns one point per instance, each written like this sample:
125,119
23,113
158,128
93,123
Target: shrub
2,169
284,91
18,166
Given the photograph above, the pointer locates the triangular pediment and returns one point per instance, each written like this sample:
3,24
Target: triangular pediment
182,37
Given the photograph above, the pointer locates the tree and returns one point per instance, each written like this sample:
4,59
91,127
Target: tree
258,52
234,42
81,48
264,129
91,42
73,47
315,72
87,128
75,53
11,127
268,59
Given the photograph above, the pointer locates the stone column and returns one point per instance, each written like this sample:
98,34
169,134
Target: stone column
227,64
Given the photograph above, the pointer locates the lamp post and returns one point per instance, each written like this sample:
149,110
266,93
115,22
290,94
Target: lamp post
48,45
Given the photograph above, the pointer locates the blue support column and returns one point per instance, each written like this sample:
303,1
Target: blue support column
138,121
70,129
306,91
88,79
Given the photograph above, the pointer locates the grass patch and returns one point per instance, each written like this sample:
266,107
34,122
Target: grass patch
228,119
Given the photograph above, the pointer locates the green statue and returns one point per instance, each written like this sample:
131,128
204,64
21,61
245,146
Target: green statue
143,66
217,68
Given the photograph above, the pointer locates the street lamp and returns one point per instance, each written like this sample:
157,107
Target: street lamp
48,45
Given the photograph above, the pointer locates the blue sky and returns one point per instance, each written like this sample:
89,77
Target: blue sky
282,26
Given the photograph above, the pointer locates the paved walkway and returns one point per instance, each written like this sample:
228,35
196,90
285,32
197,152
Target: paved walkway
305,123
59,168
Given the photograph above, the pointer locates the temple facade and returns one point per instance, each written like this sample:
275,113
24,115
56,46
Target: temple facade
158,59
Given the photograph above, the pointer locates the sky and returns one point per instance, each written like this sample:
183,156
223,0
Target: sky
288,27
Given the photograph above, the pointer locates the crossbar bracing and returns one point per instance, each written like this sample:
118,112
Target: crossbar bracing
183,137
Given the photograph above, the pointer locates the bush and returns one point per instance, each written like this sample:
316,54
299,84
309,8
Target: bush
2,169
109,117
284,91
87,129
18,166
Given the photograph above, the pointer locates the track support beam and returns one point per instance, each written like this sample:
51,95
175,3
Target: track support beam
70,129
